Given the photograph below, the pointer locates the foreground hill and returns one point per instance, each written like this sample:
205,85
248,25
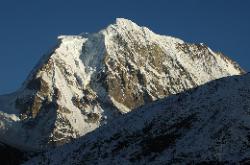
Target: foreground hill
209,124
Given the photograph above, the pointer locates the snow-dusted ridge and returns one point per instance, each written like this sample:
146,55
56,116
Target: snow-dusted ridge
206,125
88,80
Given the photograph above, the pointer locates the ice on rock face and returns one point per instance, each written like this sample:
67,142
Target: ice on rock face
90,79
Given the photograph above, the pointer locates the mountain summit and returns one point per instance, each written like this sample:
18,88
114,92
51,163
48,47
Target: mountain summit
88,80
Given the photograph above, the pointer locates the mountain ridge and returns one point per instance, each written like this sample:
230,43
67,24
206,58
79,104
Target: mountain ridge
208,124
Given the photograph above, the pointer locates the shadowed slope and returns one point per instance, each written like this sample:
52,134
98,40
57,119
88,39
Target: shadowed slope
208,124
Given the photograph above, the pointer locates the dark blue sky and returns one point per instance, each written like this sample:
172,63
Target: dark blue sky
29,28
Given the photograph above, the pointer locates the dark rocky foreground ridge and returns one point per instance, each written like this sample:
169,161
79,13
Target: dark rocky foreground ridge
11,155
206,125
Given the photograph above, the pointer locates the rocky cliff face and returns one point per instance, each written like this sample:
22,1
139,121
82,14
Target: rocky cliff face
91,79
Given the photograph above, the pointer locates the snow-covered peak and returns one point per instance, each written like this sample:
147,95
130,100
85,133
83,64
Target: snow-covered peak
87,80
125,22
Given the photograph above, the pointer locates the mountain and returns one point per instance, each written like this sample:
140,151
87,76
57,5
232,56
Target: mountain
209,124
89,80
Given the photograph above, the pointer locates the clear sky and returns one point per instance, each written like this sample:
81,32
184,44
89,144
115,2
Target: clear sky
29,28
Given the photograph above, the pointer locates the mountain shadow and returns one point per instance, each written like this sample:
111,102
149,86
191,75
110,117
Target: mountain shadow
10,155
33,130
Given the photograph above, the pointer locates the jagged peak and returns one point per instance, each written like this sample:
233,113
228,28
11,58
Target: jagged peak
119,22
122,26
125,22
